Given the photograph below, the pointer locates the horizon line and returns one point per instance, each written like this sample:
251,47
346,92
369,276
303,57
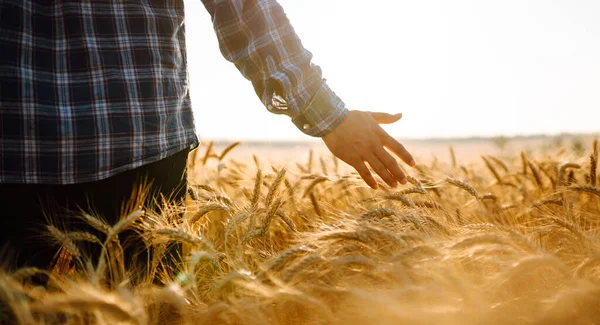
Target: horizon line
416,139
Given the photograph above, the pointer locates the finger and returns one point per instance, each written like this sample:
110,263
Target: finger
391,165
365,174
380,169
398,149
385,118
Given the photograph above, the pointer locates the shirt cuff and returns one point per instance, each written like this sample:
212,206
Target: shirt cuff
324,114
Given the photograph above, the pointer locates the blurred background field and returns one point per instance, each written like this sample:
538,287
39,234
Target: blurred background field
427,149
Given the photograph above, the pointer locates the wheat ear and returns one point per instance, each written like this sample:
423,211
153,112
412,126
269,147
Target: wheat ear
561,172
594,163
463,185
452,157
273,188
314,183
492,169
228,149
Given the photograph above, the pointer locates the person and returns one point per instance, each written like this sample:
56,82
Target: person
94,99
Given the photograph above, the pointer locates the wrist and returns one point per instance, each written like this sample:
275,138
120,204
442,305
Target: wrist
325,112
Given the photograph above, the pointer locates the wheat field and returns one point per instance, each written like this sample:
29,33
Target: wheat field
509,239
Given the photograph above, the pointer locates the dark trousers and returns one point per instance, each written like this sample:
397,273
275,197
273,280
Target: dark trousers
24,209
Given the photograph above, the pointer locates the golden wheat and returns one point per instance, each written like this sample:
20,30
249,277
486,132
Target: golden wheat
327,250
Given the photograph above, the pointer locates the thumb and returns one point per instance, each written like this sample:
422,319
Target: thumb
385,118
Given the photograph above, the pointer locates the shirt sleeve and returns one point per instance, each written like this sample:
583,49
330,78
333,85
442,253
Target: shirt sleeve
258,38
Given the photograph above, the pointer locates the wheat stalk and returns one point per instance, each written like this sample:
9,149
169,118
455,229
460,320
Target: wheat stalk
315,204
228,149
548,201
291,192
547,171
205,187
465,171
256,192
354,260
428,204
83,236
382,233
304,263
571,178
569,226
96,223
185,237
379,213
489,196
440,226
233,223
270,214
273,188
412,190
479,240
452,157
400,198
64,240
218,207
586,189
463,185
413,181
536,175
192,193
499,162
126,222
561,172
524,163
594,163
249,236
289,222
491,167
314,183
288,255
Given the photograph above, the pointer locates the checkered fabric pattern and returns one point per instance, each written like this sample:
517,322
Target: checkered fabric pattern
91,88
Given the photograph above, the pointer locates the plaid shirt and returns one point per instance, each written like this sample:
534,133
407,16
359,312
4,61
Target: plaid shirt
91,88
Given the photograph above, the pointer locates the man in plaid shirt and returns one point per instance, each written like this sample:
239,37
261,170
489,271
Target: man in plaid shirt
94,99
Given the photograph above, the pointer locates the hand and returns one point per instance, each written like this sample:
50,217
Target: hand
360,139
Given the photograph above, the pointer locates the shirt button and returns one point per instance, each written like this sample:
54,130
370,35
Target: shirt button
306,126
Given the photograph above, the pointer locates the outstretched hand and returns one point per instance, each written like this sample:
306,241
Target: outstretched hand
360,139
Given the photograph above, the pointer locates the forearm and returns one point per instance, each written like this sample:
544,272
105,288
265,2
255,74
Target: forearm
258,38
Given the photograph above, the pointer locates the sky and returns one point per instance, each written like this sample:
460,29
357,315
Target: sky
453,68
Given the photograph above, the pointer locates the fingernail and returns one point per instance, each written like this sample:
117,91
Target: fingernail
403,181
413,163
395,184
